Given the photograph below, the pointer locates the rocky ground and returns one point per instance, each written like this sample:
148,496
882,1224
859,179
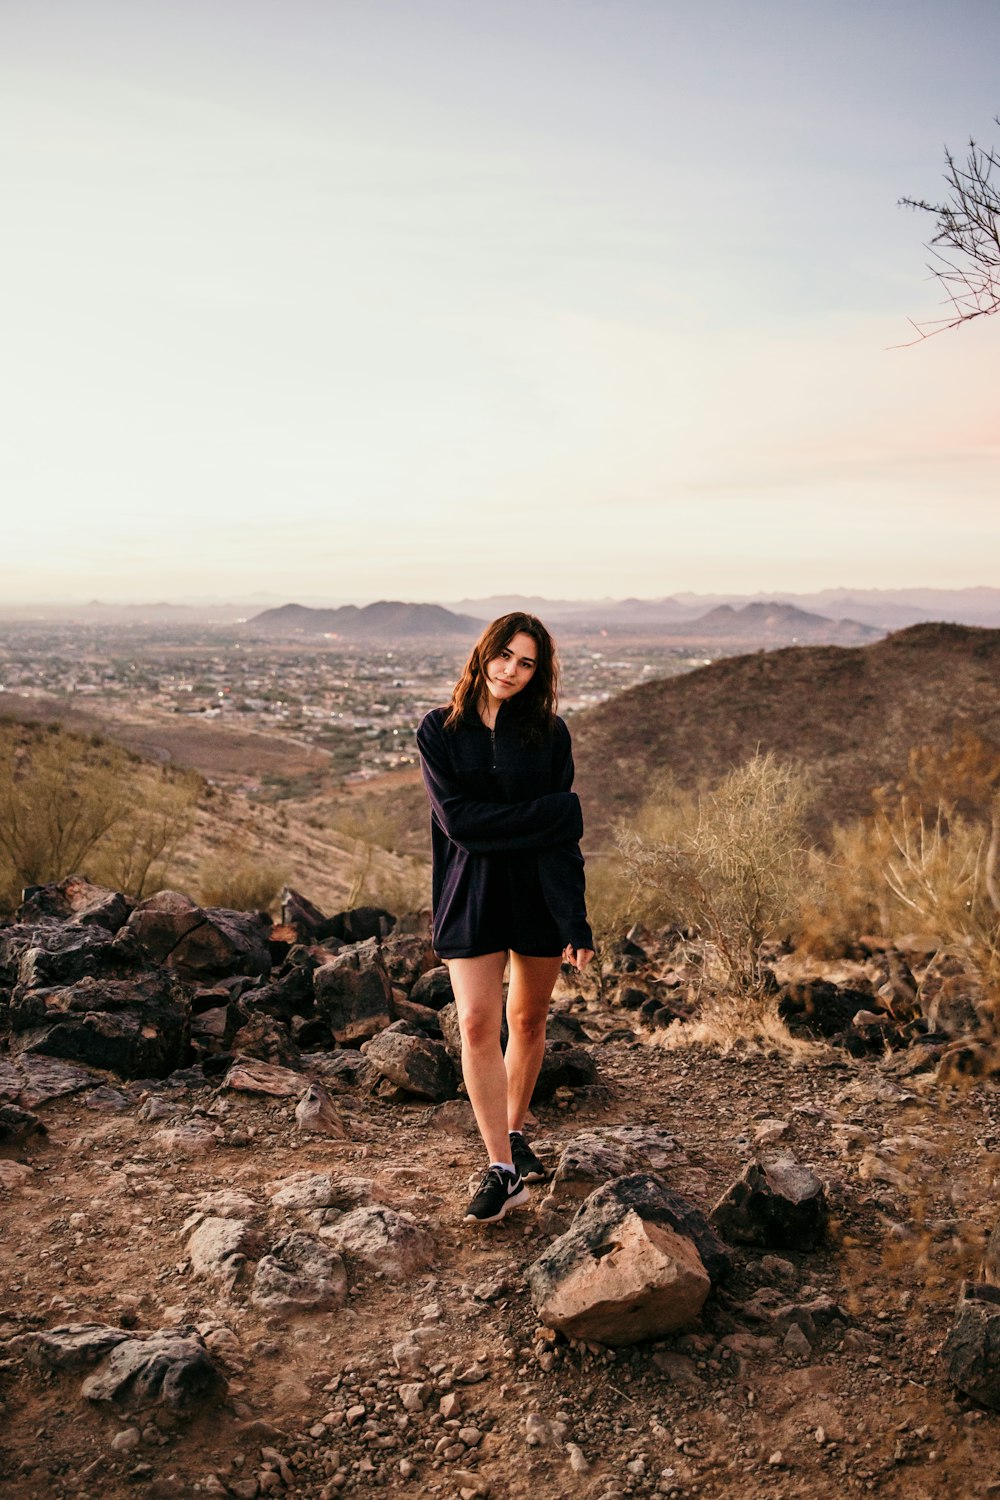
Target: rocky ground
338,1330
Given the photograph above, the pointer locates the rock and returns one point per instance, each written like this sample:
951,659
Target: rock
564,1028
361,924
606,1151
588,1160
636,1263
817,1008
62,955
308,922
316,1114
384,1240
341,1070
247,1075
303,1190
563,1066
413,1062
70,1347
951,995
218,1250
33,1079
18,1125
267,1039
972,1348
199,943
354,993
795,1343
413,1397
776,1203
187,1139
452,1033
75,900
171,1367
770,1131
299,1274
227,1203
138,1027
433,989
409,957
14,1175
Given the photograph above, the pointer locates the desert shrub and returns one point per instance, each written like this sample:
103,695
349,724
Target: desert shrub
232,880
727,860
844,891
74,804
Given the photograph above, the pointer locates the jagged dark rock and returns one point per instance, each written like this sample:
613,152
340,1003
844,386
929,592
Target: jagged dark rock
433,988
76,900
972,1348
353,993
199,943
413,1062
563,1066
775,1203
137,1027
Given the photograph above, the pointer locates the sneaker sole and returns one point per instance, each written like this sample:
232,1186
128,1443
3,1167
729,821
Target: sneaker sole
534,1176
514,1202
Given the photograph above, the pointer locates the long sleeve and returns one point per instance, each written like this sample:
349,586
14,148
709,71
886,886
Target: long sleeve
493,827
560,869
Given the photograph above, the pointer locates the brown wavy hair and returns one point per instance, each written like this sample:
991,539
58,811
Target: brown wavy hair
536,702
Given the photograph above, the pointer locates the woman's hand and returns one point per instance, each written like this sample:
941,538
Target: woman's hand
578,957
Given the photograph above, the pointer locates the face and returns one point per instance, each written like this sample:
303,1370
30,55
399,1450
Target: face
513,667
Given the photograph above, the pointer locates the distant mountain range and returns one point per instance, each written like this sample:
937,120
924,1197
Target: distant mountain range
388,620
885,609
845,609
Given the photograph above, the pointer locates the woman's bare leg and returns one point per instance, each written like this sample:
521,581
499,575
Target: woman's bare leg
528,996
477,984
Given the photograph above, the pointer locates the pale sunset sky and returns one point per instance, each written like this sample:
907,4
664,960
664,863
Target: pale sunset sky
426,299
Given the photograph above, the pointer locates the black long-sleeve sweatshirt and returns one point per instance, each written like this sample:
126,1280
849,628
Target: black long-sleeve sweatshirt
505,832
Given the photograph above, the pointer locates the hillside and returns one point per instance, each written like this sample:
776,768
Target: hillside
852,713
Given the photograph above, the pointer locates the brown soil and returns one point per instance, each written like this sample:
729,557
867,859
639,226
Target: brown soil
869,1409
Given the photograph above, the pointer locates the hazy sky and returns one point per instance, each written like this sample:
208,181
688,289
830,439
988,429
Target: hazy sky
435,298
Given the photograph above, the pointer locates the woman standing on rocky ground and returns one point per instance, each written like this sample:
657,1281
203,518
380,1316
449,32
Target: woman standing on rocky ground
507,880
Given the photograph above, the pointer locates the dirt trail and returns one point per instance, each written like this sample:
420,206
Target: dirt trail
94,1234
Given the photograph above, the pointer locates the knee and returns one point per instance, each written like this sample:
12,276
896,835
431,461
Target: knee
527,1025
479,1030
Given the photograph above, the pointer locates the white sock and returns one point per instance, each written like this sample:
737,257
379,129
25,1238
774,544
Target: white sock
505,1166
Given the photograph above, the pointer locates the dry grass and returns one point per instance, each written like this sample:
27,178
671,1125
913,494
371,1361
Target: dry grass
727,860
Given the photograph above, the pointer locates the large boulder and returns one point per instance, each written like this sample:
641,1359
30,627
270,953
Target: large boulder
170,1367
636,1263
972,1348
354,994
409,956
199,943
42,955
776,1203
75,899
137,1027
413,1062
360,924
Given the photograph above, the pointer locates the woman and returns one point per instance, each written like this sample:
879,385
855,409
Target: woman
507,880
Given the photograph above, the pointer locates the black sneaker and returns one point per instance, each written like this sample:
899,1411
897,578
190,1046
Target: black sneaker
497,1192
525,1160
